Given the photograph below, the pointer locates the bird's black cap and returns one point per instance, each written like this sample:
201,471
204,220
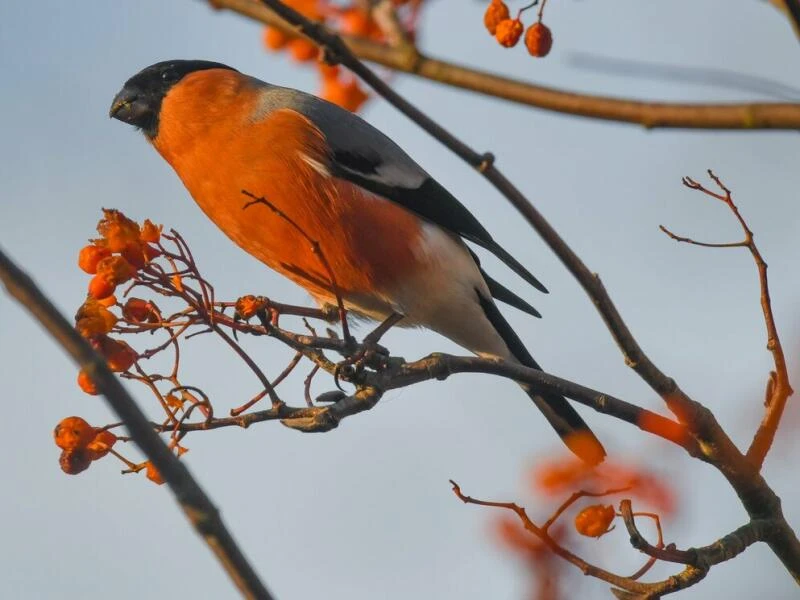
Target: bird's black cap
139,100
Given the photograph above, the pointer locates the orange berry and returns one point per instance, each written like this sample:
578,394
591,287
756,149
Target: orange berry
508,32
101,444
538,40
328,71
247,306
119,355
496,12
73,433
94,319
302,50
86,384
90,255
153,474
356,22
117,230
139,311
101,287
593,521
74,461
309,8
115,269
347,95
274,39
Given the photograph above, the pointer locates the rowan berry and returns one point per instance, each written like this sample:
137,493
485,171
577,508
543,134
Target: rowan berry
538,40
275,39
508,32
593,521
73,433
115,269
101,444
86,384
90,255
74,461
100,287
139,311
496,12
119,355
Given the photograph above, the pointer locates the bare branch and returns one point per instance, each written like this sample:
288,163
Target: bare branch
778,387
632,588
705,557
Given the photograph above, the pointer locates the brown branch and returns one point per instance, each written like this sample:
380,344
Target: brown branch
704,557
194,502
748,116
440,366
778,387
632,588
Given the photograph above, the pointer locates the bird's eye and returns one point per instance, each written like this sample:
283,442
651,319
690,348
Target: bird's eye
169,76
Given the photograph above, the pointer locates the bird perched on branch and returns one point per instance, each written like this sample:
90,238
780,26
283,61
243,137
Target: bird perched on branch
393,236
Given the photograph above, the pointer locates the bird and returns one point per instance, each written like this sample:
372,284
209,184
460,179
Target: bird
393,237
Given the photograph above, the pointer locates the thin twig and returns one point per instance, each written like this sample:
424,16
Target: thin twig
778,387
316,249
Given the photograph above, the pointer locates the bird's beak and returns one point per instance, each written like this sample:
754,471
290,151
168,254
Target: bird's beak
128,107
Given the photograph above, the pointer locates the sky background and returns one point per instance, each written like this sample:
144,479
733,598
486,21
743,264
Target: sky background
365,511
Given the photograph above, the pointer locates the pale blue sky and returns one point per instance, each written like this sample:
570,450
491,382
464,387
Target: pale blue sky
365,511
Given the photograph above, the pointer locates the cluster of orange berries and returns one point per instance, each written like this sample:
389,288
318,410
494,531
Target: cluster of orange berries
337,86
81,444
123,249
508,31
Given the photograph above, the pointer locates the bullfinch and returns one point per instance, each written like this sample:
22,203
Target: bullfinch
393,236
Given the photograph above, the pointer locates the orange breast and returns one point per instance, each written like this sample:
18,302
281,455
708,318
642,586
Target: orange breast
207,135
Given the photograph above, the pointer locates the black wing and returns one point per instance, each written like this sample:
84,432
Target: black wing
430,200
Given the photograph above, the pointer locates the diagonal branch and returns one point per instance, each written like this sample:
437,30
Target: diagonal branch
196,505
651,115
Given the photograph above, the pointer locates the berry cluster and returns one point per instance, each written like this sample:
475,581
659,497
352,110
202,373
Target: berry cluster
352,19
81,444
121,253
508,31
122,250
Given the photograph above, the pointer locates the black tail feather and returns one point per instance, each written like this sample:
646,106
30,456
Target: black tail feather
515,266
561,415
503,294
